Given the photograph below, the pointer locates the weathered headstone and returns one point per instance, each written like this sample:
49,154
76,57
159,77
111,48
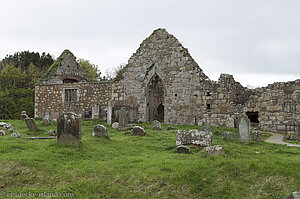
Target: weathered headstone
257,136
230,122
100,131
52,133
109,113
46,118
227,135
214,150
23,115
183,149
95,111
16,135
31,125
123,119
243,127
2,133
115,125
194,137
138,131
69,129
205,129
156,125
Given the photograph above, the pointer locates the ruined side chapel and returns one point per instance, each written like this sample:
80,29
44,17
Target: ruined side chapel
163,82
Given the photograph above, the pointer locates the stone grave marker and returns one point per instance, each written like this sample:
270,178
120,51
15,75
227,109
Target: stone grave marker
100,131
138,131
109,113
115,125
194,137
230,122
31,125
69,129
123,119
156,125
227,135
243,127
214,150
46,118
23,115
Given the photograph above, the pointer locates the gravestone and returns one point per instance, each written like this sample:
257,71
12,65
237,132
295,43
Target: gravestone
227,135
292,135
194,137
230,122
257,136
46,118
183,149
138,131
123,119
109,113
23,115
243,127
115,125
214,150
100,131
156,125
205,129
31,125
95,111
69,129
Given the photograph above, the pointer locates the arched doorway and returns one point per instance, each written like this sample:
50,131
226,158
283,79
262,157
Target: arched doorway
155,99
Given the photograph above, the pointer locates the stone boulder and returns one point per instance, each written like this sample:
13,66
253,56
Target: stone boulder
138,131
227,135
156,125
291,135
257,136
183,149
194,137
16,135
214,150
100,131
2,133
115,125
69,129
52,133
31,125
294,195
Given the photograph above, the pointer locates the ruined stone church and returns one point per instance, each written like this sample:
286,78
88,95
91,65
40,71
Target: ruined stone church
163,82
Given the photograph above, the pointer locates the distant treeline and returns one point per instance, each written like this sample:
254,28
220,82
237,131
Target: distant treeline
18,75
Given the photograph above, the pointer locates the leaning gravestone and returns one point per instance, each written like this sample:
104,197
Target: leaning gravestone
243,127
156,125
23,115
230,122
123,119
194,137
138,131
69,129
257,136
100,131
31,125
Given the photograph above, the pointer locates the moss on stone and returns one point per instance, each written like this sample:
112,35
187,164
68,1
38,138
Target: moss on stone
52,69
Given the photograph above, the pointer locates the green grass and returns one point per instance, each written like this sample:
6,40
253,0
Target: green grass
292,141
145,167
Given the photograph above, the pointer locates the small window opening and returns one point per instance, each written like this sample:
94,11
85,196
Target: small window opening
253,117
175,95
70,95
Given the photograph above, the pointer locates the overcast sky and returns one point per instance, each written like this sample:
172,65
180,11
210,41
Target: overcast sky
257,41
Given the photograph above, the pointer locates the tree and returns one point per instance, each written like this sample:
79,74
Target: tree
115,72
90,70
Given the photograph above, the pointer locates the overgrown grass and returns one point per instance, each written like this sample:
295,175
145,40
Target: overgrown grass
145,167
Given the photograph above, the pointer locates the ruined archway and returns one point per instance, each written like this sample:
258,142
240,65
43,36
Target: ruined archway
155,93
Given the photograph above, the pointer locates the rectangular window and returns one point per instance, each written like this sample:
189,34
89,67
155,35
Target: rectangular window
71,95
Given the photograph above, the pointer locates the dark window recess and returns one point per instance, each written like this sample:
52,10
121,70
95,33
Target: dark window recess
70,95
253,117
68,81
208,106
208,94
195,95
175,95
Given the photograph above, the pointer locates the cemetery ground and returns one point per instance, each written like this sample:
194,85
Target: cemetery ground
127,166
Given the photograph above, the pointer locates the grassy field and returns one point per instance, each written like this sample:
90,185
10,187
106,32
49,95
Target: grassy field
143,167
